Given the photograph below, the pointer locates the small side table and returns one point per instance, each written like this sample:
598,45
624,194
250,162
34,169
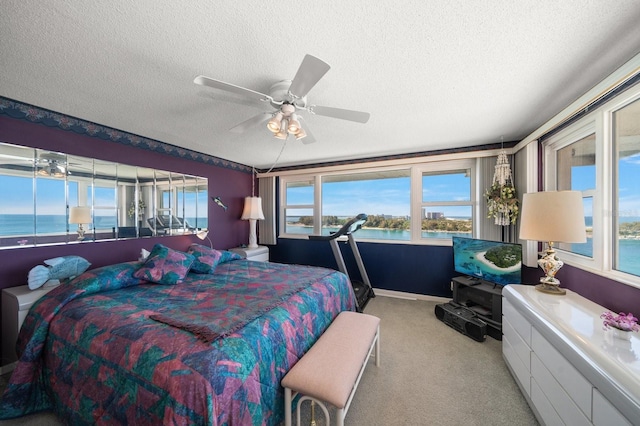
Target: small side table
16,302
258,254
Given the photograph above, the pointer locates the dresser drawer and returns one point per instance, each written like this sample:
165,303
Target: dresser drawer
544,408
574,383
518,368
520,347
604,413
517,321
563,403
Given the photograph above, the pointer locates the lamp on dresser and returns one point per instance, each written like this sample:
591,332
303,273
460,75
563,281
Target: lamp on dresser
252,212
552,216
81,216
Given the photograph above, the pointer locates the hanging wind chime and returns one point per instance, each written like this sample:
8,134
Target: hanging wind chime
502,201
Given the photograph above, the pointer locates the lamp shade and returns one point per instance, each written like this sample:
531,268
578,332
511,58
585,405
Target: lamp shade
252,208
553,216
202,234
80,215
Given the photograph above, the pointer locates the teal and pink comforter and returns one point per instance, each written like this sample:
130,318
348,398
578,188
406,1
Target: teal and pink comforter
90,350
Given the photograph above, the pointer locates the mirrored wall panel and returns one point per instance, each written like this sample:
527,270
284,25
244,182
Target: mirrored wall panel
54,198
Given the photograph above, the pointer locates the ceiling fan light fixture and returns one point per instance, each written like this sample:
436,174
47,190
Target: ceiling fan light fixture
284,125
294,125
281,135
53,169
275,123
301,134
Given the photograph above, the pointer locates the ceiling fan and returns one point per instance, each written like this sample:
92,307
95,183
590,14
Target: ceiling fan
52,164
288,97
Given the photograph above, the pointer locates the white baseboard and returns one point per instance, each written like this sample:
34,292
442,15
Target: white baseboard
409,296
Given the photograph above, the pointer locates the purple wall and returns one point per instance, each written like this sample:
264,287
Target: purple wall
226,228
613,295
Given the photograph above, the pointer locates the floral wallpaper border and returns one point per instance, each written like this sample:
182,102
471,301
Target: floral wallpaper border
34,114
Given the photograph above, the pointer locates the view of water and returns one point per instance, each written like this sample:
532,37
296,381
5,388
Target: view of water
20,224
11,224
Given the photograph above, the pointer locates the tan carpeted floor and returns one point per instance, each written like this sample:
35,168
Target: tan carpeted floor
430,375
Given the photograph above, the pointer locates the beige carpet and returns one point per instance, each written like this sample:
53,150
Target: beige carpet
430,375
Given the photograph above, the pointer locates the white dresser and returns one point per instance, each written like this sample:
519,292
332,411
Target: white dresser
569,369
16,302
259,254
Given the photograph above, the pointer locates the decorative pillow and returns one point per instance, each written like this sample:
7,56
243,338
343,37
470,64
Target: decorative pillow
57,269
165,266
206,258
228,256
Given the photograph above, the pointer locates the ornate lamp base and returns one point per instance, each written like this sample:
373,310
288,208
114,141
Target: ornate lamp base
550,264
81,232
551,289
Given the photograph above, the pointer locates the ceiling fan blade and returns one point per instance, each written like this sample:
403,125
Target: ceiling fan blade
243,91
343,114
310,72
309,138
253,121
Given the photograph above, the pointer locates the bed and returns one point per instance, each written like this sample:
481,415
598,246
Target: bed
113,348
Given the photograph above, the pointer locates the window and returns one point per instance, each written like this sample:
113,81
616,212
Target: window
384,196
576,171
447,209
299,216
52,209
599,156
626,190
417,203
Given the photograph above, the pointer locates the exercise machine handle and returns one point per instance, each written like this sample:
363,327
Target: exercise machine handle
348,228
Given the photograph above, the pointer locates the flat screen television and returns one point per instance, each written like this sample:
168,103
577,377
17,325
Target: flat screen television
493,261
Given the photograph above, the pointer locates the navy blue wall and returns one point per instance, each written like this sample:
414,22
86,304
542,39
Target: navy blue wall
418,269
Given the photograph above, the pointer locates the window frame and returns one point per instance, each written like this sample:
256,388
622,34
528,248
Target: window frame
416,204
600,122
554,144
283,206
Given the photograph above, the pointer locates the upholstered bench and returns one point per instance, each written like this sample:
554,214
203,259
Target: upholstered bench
330,371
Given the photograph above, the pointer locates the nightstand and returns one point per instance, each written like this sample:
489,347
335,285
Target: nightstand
259,254
16,302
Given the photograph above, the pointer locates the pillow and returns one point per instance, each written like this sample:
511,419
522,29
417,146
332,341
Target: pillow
228,256
206,258
165,266
57,269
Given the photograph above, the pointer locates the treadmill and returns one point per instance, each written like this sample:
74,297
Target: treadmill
363,290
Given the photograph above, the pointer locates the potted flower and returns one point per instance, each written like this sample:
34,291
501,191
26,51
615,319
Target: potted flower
502,203
621,324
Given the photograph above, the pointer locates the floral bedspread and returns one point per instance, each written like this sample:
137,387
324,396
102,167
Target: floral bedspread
89,351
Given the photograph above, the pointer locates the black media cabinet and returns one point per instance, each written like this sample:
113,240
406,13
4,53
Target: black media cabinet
482,297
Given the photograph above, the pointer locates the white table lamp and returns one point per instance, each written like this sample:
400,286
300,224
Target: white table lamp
552,216
252,212
80,215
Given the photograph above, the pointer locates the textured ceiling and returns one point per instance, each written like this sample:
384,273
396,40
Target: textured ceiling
432,74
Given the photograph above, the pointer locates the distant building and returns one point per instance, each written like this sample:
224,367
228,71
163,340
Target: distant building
434,215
